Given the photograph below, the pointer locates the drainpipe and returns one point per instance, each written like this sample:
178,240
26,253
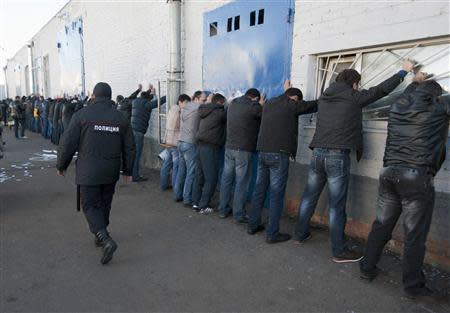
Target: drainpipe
31,70
5,68
174,72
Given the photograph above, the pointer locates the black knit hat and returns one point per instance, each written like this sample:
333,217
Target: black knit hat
102,90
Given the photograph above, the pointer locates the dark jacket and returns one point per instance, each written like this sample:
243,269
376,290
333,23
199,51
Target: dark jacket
279,124
211,128
51,110
125,105
141,112
19,108
68,109
418,129
339,117
243,119
104,141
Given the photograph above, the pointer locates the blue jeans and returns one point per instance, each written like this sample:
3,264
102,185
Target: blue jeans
332,167
49,129
238,169
187,163
206,175
139,140
169,163
273,171
44,126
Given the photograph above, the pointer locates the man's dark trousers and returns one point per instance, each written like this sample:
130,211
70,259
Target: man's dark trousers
411,191
206,175
273,171
96,204
21,123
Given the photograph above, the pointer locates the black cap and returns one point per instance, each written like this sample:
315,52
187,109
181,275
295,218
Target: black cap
102,90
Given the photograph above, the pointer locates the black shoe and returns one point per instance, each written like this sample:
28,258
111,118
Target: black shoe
140,179
254,231
109,246
348,256
224,215
368,274
243,220
420,293
187,205
179,200
302,241
195,208
278,238
98,242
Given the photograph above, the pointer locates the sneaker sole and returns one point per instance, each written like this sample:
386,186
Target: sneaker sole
347,261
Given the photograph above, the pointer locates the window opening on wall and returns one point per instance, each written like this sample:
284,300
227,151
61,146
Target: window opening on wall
377,64
237,20
252,18
261,17
230,25
213,29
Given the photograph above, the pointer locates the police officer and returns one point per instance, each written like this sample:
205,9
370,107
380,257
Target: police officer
105,144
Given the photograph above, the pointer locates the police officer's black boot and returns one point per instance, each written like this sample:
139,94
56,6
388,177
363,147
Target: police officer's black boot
108,244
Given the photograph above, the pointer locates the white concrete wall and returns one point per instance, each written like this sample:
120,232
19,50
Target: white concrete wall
15,74
126,43
334,26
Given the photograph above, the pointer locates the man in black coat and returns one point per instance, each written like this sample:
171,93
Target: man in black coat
124,105
415,151
338,131
19,117
277,142
142,108
243,119
104,141
210,138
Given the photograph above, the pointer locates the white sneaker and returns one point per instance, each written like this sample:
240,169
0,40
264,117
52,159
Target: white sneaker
206,211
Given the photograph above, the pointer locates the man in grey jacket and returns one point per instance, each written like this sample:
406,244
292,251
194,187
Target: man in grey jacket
187,149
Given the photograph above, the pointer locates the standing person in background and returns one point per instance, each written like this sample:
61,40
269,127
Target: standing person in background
104,141
243,119
4,111
124,105
170,157
210,138
51,111
277,142
29,120
68,109
338,132
142,108
19,118
36,119
43,116
415,151
187,150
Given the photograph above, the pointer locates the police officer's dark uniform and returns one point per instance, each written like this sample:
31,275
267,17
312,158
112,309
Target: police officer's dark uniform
104,140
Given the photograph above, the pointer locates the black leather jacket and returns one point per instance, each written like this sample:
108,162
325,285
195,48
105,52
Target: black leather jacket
418,128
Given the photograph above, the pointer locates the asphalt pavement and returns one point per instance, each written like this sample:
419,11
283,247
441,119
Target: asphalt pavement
170,259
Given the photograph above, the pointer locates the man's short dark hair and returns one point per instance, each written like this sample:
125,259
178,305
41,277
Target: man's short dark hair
119,98
218,98
349,76
146,95
430,87
197,94
292,92
183,97
253,93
